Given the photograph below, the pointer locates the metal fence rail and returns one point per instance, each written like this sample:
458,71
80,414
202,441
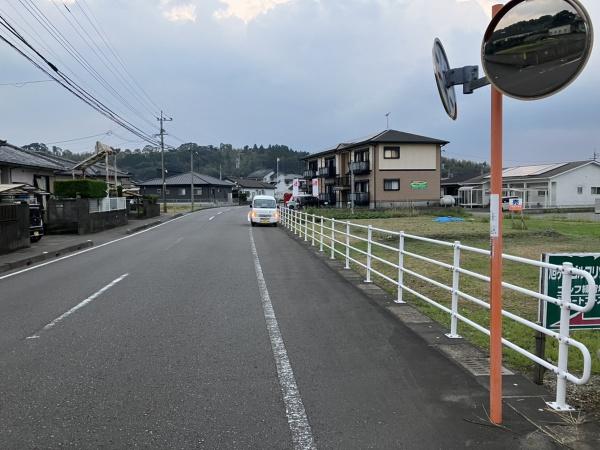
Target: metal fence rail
337,238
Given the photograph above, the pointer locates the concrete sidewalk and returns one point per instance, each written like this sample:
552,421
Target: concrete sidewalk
524,402
54,246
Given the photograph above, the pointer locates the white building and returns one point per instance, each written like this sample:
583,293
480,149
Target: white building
572,184
251,188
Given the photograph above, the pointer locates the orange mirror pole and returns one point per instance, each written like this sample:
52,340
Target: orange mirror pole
496,255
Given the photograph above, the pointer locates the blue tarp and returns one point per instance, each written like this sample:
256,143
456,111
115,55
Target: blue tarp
448,219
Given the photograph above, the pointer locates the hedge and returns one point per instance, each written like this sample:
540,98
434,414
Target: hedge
80,188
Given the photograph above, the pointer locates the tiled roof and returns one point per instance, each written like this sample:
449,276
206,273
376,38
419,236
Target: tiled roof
15,156
251,184
383,137
186,179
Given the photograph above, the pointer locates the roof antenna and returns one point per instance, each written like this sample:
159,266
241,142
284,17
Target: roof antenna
387,117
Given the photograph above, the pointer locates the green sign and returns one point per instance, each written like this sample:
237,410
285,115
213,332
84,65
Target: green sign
551,283
419,185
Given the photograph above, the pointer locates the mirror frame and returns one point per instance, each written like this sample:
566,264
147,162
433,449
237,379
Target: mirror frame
509,7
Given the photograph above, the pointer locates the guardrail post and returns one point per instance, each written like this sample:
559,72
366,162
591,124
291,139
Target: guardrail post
321,236
313,230
305,227
400,268
563,347
455,288
332,239
295,213
347,245
369,250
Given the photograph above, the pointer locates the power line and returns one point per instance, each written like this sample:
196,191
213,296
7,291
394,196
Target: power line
106,133
23,83
68,84
60,38
98,28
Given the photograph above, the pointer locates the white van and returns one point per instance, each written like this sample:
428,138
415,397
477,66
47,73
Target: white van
264,211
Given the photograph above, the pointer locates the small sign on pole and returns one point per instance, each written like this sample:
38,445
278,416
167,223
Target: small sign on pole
515,205
296,187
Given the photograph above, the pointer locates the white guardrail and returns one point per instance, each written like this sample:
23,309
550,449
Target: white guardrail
329,233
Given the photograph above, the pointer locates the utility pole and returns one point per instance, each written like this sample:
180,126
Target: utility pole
192,176
162,119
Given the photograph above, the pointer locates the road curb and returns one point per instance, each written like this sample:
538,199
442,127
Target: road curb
25,262
143,227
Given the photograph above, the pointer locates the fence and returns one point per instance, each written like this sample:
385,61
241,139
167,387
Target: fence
341,239
107,204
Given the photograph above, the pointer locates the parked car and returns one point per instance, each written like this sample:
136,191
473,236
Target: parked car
264,211
303,201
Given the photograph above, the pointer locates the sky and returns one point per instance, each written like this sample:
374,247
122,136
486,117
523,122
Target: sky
305,73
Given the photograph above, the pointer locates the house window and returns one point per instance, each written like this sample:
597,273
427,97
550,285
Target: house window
361,155
391,184
595,190
159,191
167,191
391,152
182,191
541,193
580,189
199,191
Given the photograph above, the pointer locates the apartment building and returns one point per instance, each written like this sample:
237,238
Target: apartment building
389,169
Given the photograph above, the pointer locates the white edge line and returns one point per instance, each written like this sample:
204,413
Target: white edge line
91,298
96,247
302,436
212,218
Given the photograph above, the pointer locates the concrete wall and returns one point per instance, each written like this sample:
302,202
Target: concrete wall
412,157
73,216
14,227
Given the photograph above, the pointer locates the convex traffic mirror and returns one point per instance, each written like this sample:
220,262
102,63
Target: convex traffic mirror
535,48
440,69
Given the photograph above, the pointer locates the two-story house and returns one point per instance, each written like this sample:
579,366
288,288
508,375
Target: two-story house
388,169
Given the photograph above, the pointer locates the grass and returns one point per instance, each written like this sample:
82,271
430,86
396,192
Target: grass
175,208
363,213
541,236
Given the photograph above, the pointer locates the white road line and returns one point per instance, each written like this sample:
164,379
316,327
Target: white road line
294,408
71,255
212,218
79,306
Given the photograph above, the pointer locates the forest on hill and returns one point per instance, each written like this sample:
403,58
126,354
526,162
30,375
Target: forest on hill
144,163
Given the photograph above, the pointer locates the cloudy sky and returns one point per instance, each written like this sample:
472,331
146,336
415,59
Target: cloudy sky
306,73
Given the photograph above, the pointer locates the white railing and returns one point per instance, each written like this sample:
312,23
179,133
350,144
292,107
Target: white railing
337,237
106,204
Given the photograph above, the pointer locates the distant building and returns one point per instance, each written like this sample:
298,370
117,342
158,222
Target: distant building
265,175
251,188
563,29
390,169
571,184
207,189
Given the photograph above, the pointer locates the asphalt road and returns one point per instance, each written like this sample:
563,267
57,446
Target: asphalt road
182,337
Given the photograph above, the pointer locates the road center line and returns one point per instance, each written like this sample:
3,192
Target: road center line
212,218
79,306
302,436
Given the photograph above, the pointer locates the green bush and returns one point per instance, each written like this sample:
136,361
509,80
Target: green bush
80,188
152,199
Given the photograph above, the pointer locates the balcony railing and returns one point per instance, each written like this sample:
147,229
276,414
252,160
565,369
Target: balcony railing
360,167
342,183
361,199
328,198
326,172
309,173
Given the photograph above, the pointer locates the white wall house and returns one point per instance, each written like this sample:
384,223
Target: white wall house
572,184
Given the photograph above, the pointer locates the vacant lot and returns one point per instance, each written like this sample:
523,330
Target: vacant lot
541,236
